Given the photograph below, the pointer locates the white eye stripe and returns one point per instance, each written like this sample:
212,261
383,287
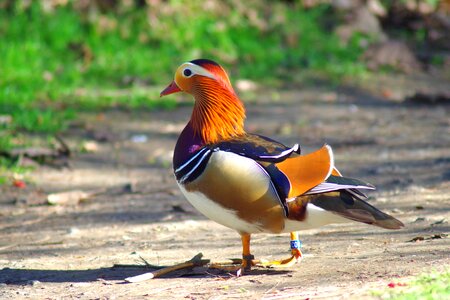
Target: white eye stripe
196,70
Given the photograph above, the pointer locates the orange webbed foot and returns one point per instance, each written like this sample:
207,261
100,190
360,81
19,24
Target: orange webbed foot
295,252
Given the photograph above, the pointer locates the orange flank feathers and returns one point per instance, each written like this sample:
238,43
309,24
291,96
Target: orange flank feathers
307,171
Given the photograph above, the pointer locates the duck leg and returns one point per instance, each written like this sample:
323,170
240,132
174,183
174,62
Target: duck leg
244,264
247,257
248,260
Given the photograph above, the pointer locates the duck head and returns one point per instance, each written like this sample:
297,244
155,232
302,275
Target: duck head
218,114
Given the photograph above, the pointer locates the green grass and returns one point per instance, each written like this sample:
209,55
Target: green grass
55,64
10,170
431,286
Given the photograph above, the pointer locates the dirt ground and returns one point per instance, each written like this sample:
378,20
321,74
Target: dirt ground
68,251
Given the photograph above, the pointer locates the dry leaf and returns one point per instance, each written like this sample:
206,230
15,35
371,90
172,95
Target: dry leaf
90,146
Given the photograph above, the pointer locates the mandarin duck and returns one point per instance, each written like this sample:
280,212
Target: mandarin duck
251,183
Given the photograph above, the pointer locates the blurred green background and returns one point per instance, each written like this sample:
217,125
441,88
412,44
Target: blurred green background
60,57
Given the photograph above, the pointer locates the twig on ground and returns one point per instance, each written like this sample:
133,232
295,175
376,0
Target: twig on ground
64,150
196,261
147,264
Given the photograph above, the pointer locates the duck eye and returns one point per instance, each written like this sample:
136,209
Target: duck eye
187,72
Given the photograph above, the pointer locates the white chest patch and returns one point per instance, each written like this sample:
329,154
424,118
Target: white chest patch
218,213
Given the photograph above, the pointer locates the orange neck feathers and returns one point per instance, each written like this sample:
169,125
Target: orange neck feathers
218,113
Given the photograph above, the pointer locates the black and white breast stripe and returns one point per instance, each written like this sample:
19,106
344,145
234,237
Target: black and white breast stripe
194,166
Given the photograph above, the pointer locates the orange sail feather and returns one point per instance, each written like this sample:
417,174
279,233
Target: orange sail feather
306,171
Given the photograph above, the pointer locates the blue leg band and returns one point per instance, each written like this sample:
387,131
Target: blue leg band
296,244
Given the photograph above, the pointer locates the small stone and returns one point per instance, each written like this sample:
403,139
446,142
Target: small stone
139,138
246,85
130,188
353,108
73,231
33,282
90,146
419,219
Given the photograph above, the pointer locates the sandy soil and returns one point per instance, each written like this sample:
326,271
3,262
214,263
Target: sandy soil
68,251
